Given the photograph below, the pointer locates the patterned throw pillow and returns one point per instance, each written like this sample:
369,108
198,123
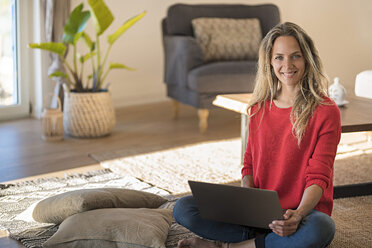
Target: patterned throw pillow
228,39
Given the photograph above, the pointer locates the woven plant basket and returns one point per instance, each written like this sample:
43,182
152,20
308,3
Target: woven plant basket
88,115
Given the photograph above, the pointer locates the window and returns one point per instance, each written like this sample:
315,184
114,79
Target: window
8,54
14,92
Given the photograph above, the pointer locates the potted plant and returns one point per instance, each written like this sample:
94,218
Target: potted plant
88,108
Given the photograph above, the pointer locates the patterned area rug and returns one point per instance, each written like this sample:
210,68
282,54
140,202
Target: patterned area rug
352,215
17,223
219,162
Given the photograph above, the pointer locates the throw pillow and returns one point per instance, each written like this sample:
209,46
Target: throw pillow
57,208
114,227
228,39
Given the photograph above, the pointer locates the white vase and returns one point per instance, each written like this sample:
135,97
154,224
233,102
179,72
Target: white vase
337,92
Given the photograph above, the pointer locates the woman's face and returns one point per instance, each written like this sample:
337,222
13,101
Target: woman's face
288,61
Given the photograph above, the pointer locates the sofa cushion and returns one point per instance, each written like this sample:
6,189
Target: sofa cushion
113,227
223,77
227,38
57,208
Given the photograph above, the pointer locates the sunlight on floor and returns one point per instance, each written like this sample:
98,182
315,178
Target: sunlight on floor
353,144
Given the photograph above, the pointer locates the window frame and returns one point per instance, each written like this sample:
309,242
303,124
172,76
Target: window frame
21,108
31,63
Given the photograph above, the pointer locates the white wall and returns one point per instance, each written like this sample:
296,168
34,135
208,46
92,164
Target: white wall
341,30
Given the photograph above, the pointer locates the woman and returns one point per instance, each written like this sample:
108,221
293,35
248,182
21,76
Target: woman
294,131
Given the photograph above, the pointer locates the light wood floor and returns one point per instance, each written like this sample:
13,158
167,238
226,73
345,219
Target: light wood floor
24,154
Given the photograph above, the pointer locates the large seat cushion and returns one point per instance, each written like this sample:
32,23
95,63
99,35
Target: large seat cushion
224,39
113,227
223,77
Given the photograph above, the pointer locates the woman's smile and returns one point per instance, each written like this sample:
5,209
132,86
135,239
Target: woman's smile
289,74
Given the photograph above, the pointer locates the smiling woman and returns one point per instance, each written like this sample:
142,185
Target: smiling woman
280,155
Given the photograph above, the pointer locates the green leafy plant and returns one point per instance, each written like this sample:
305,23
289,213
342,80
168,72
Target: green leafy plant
74,32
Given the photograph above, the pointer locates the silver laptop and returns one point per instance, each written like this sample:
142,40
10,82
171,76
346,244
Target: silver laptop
237,205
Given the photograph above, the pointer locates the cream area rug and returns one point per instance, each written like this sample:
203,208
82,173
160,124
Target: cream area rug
170,169
219,162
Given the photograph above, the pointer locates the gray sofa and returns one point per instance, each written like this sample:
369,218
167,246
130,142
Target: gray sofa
189,79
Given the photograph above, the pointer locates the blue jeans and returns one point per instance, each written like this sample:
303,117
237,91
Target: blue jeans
316,229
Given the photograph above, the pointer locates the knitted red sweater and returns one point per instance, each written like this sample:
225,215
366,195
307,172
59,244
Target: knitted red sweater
276,161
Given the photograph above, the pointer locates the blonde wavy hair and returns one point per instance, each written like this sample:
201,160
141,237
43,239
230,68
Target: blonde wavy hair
313,85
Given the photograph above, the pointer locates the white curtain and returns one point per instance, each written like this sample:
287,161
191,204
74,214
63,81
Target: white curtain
56,14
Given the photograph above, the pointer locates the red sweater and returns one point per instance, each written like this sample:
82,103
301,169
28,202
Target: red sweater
276,161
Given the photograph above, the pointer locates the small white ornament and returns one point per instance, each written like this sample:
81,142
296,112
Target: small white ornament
337,92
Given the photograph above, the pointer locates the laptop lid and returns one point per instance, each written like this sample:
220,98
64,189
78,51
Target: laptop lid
237,205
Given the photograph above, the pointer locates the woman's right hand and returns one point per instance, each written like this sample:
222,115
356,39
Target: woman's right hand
247,181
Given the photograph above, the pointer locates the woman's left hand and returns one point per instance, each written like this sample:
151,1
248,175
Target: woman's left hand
289,225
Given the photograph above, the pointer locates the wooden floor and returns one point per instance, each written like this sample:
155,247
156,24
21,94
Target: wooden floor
24,154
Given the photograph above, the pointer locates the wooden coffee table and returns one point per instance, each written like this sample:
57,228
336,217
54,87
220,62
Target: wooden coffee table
356,116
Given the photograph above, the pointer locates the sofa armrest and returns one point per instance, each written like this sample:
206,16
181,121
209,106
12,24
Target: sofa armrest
182,53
